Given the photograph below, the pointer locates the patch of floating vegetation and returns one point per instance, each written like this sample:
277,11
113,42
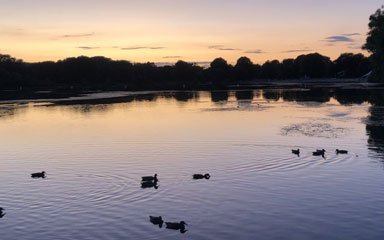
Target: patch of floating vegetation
314,129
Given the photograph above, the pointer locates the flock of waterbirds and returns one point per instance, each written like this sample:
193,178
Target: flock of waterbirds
319,152
151,181
146,182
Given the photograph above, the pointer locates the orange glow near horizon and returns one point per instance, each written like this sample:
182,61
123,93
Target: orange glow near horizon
165,31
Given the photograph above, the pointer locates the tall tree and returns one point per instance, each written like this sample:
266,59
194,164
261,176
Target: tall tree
244,69
375,44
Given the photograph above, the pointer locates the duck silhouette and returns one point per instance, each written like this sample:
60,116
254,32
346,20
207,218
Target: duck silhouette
38,175
319,153
201,176
341,151
176,226
296,151
2,214
149,178
156,220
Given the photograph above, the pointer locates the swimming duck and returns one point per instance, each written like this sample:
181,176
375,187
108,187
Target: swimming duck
297,152
1,212
318,154
321,151
149,184
156,220
149,178
176,226
38,175
341,151
201,176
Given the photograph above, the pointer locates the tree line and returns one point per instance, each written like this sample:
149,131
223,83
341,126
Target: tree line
104,73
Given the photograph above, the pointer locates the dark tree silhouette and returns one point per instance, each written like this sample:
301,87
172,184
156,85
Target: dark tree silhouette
219,72
314,65
375,44
187,72
101,73
289,69
350,65
271,70
244,69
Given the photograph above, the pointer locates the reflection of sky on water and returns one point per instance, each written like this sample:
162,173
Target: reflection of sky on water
96,151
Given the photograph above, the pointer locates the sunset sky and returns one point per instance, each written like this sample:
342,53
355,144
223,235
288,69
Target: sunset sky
195,31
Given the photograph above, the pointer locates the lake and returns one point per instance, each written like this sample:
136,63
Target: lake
96,148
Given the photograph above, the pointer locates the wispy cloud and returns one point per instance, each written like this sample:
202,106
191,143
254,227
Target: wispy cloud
77,35
351,34
222,48
87,48
154,48
298,50
257,51
168,57
338,38
140,47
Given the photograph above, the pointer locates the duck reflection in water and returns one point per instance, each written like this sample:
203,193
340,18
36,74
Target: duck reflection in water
149,184
156,220
177,226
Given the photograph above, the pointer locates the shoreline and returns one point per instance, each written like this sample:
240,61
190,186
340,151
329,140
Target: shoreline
63,96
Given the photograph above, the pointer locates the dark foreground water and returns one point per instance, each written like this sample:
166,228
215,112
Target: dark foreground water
95,154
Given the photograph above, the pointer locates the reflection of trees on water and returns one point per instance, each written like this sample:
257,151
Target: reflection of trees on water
313,95
146,97
7,112
375,124
219,96
185,96
244,95
351,96
272,95
89,108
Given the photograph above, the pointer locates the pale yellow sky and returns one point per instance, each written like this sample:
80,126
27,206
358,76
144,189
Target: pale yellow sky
198,31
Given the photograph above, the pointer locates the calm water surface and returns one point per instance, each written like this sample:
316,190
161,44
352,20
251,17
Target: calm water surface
95,154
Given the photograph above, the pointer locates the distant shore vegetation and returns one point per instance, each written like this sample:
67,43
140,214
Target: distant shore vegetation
104,73
101,73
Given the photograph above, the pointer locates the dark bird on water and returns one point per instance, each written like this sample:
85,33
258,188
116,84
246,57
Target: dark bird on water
201,176
341,151
38,175
177,226
296,151
2,214
156,220
319,153
150,178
